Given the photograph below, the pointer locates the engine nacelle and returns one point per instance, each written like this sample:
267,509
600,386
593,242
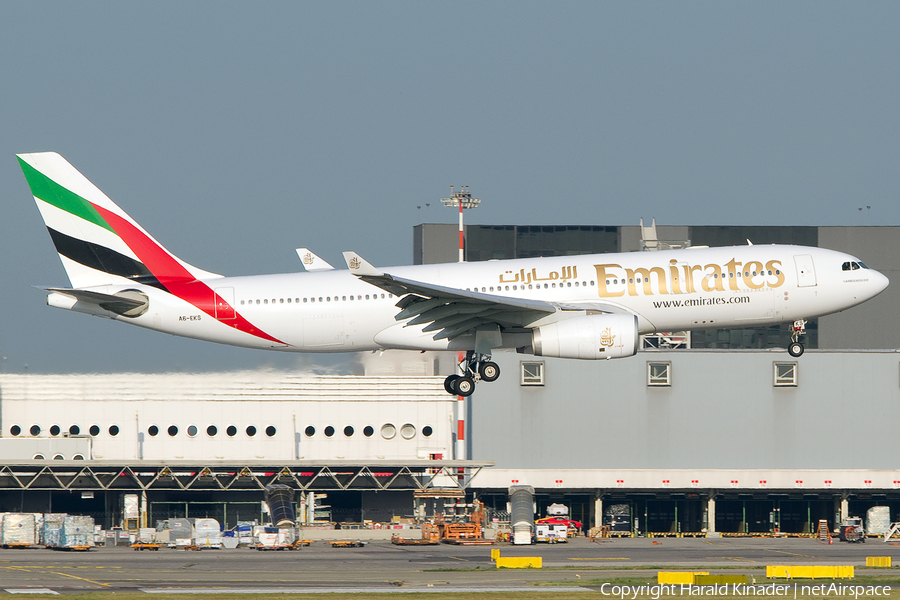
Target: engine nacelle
589,337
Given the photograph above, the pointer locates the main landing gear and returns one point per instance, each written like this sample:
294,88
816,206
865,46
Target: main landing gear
795,348
475,367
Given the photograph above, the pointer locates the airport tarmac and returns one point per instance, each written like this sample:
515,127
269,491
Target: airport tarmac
383,566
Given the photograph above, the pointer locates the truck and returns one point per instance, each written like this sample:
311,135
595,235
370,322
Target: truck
852,530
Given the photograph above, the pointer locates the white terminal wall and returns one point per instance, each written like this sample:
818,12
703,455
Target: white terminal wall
135,402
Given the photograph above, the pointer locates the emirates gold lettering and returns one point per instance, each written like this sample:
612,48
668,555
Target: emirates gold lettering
713,279
775,267
603,277
688,284
734,268
692,269
681,278
673,271
614,280
643,276
752,268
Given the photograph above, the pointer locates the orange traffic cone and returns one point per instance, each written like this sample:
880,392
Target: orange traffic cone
830,541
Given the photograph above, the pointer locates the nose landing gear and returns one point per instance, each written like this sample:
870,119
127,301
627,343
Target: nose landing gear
798,328
475,367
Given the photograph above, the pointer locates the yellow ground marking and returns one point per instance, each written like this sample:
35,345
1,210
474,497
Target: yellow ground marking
458,558
791,553
80,578
601,558
738,558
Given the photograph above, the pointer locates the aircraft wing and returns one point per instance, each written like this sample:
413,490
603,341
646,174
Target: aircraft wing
452,312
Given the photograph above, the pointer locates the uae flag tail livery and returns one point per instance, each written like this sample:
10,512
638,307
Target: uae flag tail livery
104,252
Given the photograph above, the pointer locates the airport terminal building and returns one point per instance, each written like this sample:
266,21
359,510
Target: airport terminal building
719,433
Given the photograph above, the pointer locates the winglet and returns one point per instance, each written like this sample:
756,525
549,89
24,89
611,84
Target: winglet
312,262
360,266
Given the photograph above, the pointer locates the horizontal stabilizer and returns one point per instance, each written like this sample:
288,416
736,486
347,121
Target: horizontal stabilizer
128,303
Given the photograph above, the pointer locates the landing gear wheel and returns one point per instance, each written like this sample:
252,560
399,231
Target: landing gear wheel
489,371
798,328
450,383
795,349
464,386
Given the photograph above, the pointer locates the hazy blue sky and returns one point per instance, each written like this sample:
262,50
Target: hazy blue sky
235,132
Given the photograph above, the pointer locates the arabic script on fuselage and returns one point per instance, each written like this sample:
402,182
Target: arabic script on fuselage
526,277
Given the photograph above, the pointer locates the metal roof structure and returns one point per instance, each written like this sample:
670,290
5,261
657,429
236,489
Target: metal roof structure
245,476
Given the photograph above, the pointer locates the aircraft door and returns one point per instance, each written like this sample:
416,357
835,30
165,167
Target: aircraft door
225,303
806,270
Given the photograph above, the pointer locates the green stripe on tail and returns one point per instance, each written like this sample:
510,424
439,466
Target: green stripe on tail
51,192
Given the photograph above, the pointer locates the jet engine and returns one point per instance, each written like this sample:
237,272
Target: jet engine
589,337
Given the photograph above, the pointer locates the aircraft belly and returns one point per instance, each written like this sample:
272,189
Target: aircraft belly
411,338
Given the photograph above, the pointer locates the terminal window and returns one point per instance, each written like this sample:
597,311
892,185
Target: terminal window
785,374
659,374
532,373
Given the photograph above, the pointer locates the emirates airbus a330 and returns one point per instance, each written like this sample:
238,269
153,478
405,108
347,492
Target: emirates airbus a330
584,307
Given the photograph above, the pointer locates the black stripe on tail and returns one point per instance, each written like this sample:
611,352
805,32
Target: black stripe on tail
102,259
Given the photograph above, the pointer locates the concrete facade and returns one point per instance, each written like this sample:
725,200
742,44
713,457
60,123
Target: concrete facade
721,411
717,447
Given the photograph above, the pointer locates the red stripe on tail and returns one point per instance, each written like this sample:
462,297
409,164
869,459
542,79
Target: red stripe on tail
174,276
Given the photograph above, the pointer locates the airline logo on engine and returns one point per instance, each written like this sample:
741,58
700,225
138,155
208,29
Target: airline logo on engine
607,338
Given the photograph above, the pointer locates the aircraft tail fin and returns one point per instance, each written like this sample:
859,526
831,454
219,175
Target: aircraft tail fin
98,243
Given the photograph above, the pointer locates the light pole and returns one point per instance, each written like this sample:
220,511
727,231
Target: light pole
461,199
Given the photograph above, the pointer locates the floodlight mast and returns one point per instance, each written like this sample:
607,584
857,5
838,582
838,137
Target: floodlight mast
461,199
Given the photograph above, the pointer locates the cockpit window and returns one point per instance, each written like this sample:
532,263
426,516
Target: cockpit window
853,265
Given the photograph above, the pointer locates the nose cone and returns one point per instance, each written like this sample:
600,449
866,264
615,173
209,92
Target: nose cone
879,282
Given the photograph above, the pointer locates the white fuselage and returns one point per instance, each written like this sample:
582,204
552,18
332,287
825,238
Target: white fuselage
334,311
